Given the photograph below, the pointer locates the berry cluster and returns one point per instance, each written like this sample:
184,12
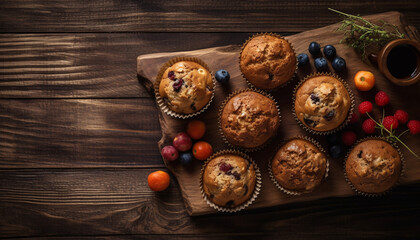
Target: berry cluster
321,63
183,143
339,142
389,124
178,82
387,127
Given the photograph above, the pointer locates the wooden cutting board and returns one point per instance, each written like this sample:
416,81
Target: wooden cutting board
227,57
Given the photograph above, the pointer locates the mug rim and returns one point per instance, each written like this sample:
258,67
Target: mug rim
382,63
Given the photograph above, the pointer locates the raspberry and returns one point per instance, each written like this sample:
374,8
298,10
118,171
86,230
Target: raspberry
365,107
381,99
177,84
401,116
390,122
171,75
414,126
368,126
354,117
225,167
348,138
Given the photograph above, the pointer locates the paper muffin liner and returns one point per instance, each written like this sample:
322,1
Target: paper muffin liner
161,101
343,124
221,112
291,192
373,194
257,187
274,35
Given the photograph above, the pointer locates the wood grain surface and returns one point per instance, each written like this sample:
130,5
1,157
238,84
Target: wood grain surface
88,65
74,133
186,15
78,130
108,202
227,58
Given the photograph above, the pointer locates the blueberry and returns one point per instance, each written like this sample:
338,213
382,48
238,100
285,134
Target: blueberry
321,64
338,64
337,151
222,76
329,51
314,48
303,59
185,158
334,139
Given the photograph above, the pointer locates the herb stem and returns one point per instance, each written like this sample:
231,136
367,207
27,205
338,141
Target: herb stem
391,136
351,16
407,148
403,133
360,33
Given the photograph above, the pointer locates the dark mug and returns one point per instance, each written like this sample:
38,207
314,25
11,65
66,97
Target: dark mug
399,61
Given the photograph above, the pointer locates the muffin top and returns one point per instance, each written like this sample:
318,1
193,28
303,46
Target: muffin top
249,119
322,103
268,61
373,166
229,180
186,86
299,166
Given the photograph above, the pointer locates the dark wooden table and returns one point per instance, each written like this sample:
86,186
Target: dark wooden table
78,131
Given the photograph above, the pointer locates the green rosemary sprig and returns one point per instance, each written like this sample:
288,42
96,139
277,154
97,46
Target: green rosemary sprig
360,33
390,134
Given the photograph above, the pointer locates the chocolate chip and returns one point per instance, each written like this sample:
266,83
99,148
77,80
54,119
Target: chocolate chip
236,175
211,196
192,106
310,122
246,189
359,155
314,98
229,203
329,115
270,76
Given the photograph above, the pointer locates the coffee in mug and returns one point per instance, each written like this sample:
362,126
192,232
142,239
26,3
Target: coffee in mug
399,61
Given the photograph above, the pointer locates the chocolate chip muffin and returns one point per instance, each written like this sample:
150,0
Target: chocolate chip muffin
229,180
373,166
268,61
299,166
322,103
249,119
186,87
